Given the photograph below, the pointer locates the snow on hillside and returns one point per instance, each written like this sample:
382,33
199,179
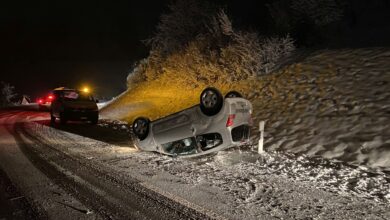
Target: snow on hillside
334,103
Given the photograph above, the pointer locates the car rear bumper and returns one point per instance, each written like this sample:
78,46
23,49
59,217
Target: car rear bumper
81,115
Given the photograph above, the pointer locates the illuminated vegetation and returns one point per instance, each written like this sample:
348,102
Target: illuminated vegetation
195,48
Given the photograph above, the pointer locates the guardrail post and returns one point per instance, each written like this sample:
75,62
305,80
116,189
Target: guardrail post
261,140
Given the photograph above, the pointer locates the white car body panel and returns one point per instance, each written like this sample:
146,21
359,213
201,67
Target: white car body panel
192,122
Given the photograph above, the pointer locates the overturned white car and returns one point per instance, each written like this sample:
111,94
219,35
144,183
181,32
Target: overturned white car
215,124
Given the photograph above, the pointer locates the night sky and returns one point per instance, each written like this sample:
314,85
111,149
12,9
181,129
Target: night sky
46,44
59,43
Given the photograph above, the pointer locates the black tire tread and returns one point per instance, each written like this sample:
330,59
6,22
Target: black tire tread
139,136
217,107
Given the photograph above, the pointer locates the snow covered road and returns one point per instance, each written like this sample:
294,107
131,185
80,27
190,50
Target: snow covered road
65,186
83,171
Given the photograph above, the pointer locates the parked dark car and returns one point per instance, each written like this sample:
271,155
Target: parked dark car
73,105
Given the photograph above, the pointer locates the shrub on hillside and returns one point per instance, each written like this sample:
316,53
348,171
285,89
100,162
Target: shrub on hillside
209,51
273,49
250,55
137,74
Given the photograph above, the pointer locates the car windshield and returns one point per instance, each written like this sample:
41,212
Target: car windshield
209,141
193,145
76,96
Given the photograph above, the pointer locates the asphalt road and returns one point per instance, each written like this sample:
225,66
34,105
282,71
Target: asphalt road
46,183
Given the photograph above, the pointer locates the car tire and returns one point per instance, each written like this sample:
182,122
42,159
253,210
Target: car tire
233,94
211,101
141,127
52,118
63,118
94,120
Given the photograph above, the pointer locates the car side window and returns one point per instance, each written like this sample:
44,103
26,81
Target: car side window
71,95
185,146
209,141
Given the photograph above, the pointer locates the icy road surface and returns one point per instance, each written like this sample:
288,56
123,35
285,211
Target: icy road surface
94,172
45,164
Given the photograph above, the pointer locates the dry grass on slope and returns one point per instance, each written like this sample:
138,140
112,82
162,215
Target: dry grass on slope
163,96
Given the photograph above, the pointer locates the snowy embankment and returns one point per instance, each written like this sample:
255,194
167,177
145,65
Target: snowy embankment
276,185
335,104
238,183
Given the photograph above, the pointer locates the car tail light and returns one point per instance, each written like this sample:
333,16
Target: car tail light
50,98
40,101
230,120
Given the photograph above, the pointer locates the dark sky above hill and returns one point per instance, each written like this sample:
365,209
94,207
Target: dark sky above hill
45,44
59,43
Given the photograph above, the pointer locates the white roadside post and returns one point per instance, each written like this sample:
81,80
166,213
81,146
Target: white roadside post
261,140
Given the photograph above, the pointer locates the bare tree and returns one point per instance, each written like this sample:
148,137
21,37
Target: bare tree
249,54
7,94
185,22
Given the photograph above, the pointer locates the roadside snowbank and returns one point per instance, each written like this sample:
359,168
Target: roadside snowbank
240,170
335,104
240,184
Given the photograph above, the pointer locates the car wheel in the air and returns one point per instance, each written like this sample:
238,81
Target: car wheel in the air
141,127
211,101
233,94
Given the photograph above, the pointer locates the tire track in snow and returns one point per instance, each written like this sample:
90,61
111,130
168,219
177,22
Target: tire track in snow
95,183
